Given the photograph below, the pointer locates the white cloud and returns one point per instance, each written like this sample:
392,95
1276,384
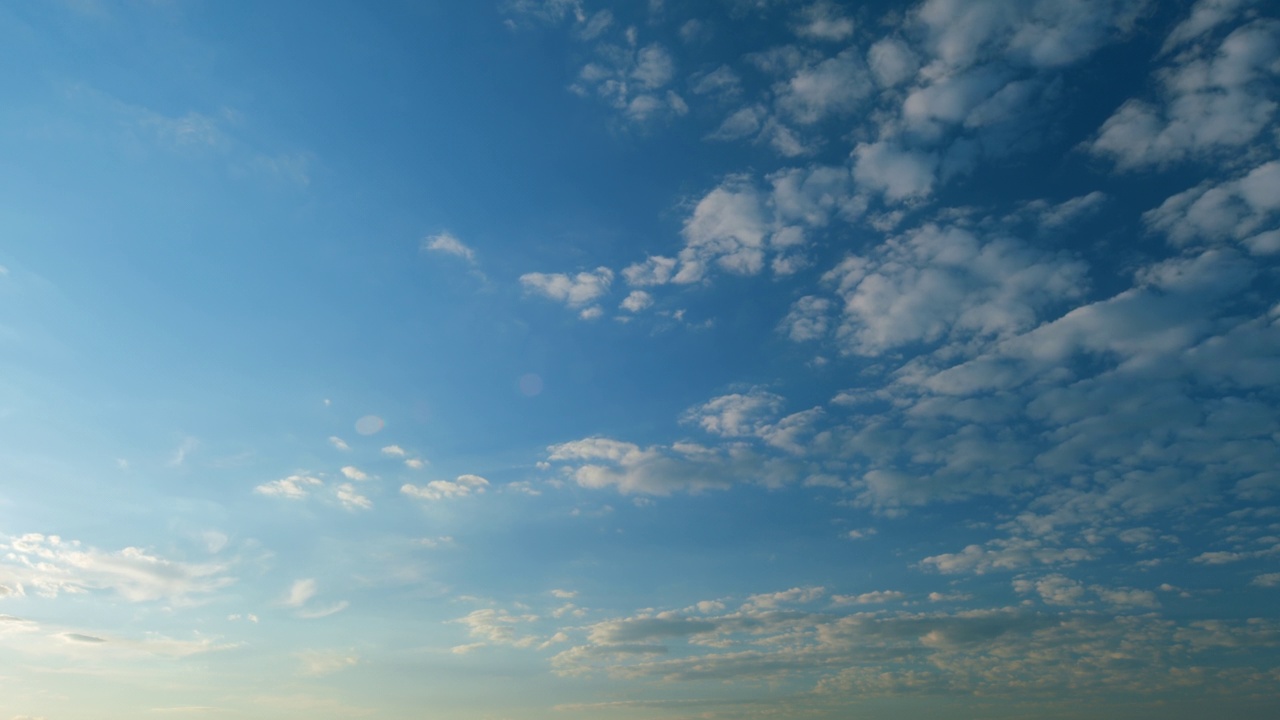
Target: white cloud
737,414
1208,103
636,301
876,597
351,498
892,62
657,470
655,270
352,472
415,463
338,443
808,319
595,25
575,291
299,593
811,197
835,86
1035,33
632,80
51,565
294,487
496,627
463,486
394,451
1053,589
325,662
727,228
549,11
794,596
1006,554
1205,16
654,67
1126,597
741,123
1244,210
899,174
446,243
823,20
935,283
722,81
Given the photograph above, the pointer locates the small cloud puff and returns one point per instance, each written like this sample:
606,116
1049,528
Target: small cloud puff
300,592
352,472
638,300
294,487
446,243
442,489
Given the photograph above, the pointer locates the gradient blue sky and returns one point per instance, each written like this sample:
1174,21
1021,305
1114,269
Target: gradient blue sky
723,360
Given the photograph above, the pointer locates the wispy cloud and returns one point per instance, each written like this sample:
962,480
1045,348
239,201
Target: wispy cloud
447,244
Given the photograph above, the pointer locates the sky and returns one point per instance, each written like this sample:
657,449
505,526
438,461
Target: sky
553,359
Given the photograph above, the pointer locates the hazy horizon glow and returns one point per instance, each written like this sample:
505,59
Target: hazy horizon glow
545,359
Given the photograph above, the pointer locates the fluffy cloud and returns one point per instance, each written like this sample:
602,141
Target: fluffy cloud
576,291
1208,102
892,61
727,228
496,627
1205,16
737,414
1038,33
351,499
352,472
463,486
899,174
655,270
808,319
632,79
1243,210
834,87
636,301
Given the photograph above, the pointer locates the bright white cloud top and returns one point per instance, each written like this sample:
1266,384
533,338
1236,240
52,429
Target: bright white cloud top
781,358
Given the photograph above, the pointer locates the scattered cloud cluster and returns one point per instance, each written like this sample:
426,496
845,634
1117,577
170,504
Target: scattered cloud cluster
49,566
463,486
301,487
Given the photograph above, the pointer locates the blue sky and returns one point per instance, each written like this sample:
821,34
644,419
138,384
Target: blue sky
553,359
